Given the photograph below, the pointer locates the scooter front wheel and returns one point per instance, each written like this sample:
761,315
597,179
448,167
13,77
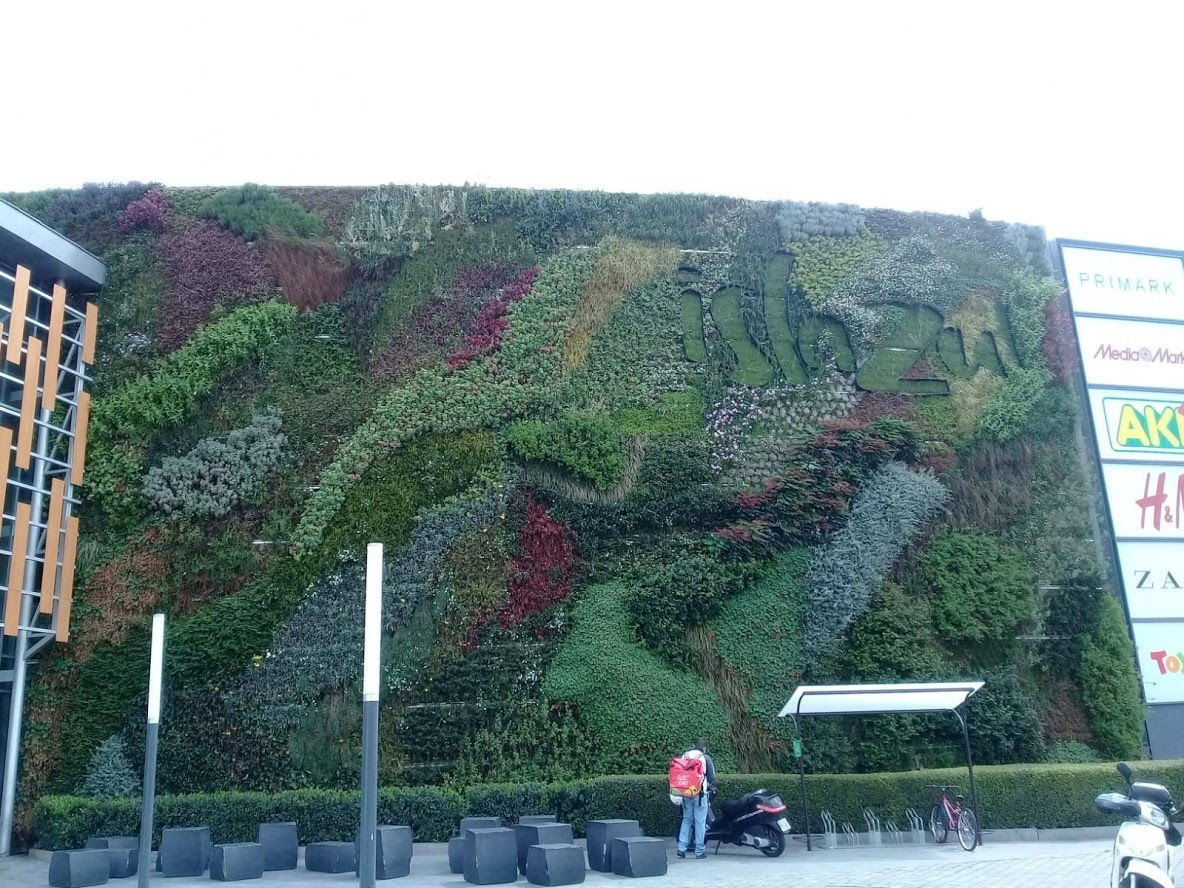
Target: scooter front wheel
776,839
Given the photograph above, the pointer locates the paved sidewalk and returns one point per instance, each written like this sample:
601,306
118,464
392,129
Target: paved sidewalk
1084,864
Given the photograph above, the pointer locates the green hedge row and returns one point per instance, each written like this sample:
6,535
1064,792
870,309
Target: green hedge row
1010,796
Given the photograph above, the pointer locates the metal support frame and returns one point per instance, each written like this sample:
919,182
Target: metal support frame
16,707
371,661
794,716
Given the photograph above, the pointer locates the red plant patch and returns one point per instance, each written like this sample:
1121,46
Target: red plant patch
308,273
150,211
541,572
492,322
205,266
437,326
1060,351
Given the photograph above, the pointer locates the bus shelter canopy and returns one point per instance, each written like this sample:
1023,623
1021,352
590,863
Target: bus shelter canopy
878,699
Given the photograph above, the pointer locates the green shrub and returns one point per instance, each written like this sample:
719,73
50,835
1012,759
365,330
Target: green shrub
1045,796
123,422
667,599
253,211
893,640
639,708
588,444
981,589
109,774
1003,723
1110,685
1070,752
320,814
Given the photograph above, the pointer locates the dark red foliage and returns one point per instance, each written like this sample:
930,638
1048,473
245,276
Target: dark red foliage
1060,349
541,572
150,211
491,324
205,266
871,405
308,273
811,499
939,461
437,326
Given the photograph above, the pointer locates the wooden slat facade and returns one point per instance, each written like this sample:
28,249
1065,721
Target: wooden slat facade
81,425
66,592
20,308
53,349
16,569
24,435
53,537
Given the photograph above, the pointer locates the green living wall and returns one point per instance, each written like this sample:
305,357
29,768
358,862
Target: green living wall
641,464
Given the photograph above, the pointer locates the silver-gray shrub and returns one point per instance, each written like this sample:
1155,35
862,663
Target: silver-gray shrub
318,649
889,510
799,220
219,473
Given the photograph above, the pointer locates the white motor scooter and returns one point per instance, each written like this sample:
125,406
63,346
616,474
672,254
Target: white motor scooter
1142,856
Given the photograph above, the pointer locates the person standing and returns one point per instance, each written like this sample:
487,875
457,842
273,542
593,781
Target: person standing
695,808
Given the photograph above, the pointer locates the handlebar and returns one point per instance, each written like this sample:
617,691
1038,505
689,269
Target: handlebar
943,787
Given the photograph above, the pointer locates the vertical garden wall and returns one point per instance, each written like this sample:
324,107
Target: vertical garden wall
641,464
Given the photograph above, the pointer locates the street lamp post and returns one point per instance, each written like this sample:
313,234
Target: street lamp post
155,670
367,839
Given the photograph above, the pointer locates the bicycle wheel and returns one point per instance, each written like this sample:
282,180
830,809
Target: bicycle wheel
938,824
967,830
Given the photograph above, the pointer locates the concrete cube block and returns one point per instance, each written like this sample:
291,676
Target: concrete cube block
78,869
456,855
557,864
491,856
527,819
392,852
280,845
124,852
329,857
236,861
638,856
478,823
600,841
527,834
184,850
124,862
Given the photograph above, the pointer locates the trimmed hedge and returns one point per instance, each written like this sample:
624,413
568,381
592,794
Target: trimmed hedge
1010,796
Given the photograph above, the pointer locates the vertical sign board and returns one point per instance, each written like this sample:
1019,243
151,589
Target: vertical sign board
1128,311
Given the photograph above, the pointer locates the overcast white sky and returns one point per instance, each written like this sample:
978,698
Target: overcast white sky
1047,113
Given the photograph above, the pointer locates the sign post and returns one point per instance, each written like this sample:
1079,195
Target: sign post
371,657
151,740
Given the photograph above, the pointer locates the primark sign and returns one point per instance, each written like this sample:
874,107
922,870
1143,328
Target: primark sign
1128,311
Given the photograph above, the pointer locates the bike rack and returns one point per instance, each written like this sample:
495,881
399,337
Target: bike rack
895,836
849,835
874,838
916,826
830,836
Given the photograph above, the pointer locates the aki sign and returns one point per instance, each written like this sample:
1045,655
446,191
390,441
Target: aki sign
821,342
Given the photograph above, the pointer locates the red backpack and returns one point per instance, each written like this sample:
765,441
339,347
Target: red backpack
686,776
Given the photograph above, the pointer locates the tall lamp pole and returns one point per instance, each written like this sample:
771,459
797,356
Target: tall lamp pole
155,670
367,839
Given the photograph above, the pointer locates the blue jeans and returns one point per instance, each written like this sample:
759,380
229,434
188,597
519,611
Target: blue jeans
694,823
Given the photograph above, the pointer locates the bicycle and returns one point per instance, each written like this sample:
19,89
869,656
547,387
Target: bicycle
950,812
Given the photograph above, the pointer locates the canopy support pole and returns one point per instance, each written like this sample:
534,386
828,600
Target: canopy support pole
797,729
978,828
